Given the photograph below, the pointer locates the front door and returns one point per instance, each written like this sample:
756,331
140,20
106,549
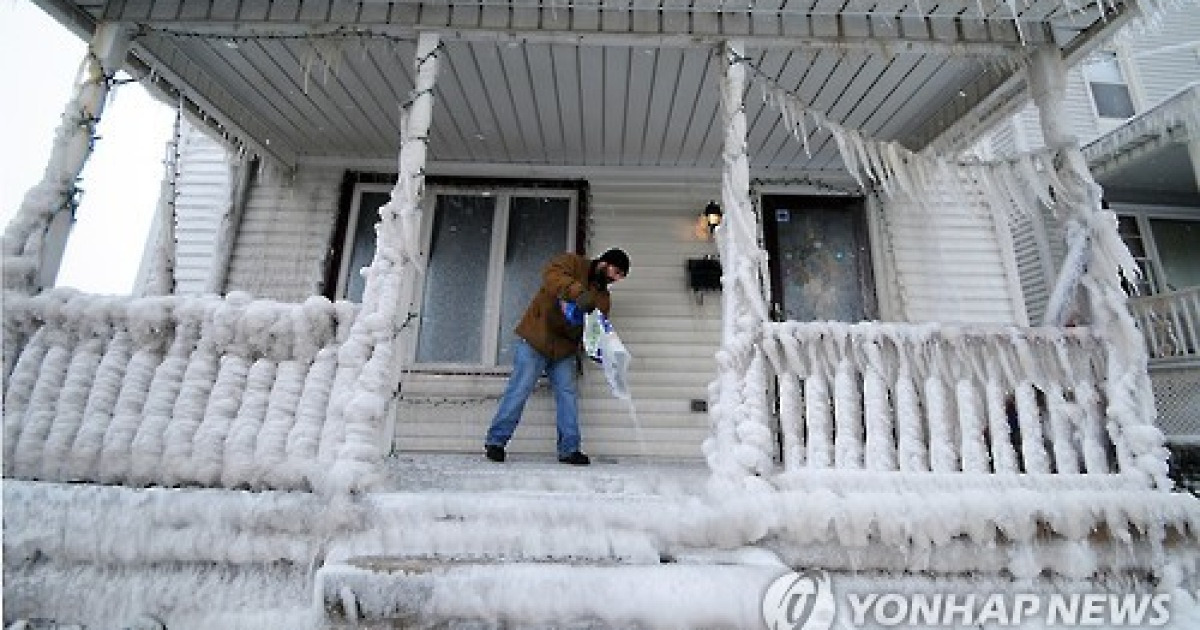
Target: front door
820,258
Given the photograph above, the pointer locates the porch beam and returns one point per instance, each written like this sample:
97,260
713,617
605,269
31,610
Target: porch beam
655,25
34,241
163,68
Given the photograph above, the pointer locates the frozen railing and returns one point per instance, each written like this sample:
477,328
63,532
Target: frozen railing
173,391
1170,323
926,398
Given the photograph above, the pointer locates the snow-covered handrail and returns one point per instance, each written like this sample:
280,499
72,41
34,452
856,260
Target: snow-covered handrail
216,392
939,398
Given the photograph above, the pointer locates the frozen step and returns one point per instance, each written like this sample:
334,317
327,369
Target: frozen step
406,593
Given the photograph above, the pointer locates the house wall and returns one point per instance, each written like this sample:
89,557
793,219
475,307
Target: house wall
950,262
671,335
941,261
1157,64
281,245
202,197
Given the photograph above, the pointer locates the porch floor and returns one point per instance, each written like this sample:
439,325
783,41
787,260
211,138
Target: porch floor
411,472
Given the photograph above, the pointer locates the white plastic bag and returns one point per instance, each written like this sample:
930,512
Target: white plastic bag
603,345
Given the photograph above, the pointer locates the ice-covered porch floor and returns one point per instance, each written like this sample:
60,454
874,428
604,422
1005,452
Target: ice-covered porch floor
607,475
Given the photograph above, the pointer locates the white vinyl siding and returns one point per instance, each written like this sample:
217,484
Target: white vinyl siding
949,263
203,194
280,250
1167,58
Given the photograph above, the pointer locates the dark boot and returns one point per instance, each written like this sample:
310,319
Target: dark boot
575,459
493,452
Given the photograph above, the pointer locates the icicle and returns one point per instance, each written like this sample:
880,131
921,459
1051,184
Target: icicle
188,412
848,417
1004,458
270,449
69,412
115,454
846,152
303,439
818,411
100,409
970,421
208,444
1062,418
149,440
1091,418
1033,441
913,452
39,417
791,421
240,466
942,454
19,390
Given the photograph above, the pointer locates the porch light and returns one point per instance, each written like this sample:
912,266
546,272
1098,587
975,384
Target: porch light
712,216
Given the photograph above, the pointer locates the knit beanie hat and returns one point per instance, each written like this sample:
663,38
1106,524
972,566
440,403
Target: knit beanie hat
617,258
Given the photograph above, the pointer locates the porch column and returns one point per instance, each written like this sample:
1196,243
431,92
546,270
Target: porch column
369,360
740,445
162,252
1096,260
34,240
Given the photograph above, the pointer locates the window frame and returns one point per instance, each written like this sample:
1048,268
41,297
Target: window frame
1107,123
1142,215
504,193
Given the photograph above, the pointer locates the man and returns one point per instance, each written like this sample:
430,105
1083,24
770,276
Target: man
547,342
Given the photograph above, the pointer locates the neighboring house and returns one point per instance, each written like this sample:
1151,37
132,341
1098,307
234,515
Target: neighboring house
362,198
1135,105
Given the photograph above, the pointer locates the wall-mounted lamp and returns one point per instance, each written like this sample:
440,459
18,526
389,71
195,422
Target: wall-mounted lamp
712,216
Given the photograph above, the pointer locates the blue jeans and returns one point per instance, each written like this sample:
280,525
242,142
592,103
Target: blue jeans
528,365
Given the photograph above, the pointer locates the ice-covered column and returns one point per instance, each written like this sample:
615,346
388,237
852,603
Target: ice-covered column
367,362
741,444
1096,260
34,240
161,278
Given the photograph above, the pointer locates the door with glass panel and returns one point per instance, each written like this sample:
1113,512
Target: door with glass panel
483,254
819,258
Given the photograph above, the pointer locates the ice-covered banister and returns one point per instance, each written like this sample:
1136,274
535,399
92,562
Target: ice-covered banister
1088,289
368,362
741,444
35,238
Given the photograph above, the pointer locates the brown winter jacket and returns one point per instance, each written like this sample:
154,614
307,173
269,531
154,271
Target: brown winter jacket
544,326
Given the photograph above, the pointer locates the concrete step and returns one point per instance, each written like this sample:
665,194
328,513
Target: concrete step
408,593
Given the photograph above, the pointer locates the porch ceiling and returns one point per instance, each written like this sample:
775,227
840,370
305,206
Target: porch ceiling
628,83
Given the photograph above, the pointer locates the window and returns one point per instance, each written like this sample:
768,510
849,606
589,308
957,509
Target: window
484,250
1165,251
1110,90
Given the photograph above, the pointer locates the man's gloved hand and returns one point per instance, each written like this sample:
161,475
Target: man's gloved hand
572,312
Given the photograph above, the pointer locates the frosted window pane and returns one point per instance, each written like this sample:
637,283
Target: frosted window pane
1112,100
362,247
537,231
456,280
823,265
1178,244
